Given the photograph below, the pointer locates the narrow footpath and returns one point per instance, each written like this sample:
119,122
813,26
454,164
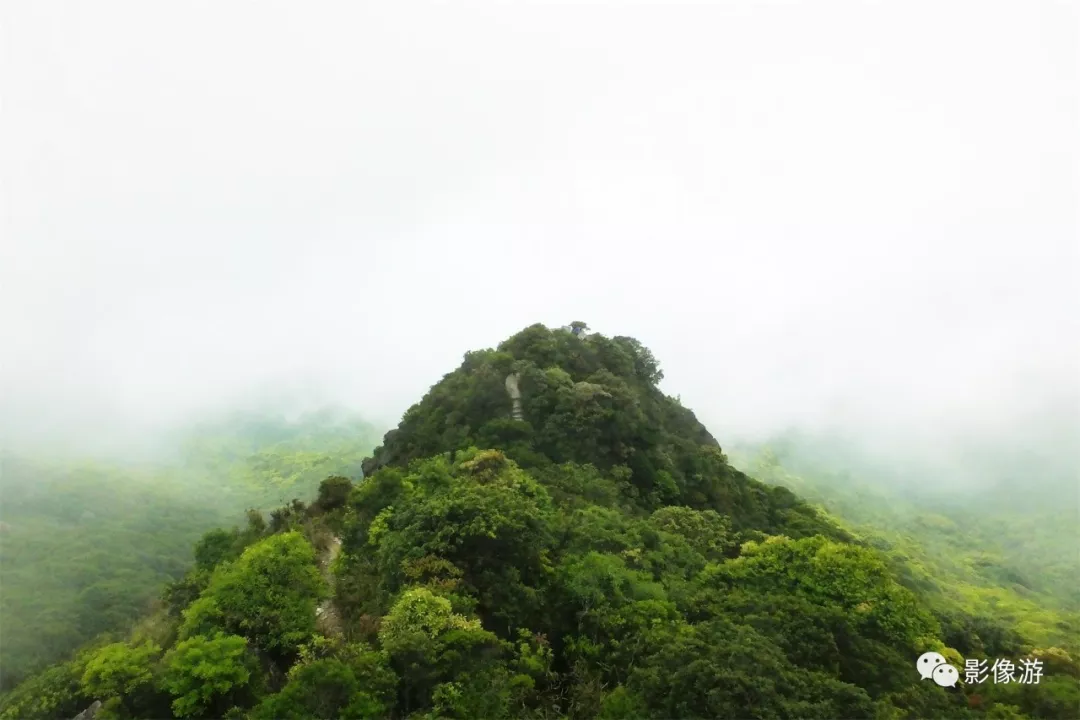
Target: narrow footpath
327,618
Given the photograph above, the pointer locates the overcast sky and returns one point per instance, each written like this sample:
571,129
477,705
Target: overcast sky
857,212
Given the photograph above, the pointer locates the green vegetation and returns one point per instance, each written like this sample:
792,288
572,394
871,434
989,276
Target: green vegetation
261,462
85,547
269,593
599,557
86,550
968,557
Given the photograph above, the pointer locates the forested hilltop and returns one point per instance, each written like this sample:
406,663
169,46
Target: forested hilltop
544,535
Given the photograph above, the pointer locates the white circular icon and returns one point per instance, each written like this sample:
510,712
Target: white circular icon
946,675
927,662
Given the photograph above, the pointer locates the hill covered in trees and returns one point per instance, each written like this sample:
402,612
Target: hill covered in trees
544,535
970,552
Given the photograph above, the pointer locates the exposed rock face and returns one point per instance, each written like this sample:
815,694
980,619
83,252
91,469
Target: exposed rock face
90,712
515,395
371,464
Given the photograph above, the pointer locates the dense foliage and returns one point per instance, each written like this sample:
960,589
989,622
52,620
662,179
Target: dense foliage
972,560
1001,581
598,557
85,549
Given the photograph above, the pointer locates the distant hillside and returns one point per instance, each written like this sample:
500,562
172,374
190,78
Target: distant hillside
1018,528
263,461
971,559
86,546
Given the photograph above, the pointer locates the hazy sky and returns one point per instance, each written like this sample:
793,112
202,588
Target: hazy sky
851,210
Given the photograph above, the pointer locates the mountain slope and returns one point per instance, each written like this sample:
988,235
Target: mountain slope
1007,575
590,400
598,557
86,546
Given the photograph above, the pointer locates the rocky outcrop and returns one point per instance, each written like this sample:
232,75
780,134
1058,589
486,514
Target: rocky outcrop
90,712
382,455
515,395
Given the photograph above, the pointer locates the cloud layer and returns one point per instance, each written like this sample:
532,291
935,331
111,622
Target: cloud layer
847,213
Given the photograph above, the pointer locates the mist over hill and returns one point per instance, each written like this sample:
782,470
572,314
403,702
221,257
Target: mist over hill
848,229
545,533
89,538
808,237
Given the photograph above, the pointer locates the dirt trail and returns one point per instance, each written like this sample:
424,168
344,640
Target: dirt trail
326,616
515,395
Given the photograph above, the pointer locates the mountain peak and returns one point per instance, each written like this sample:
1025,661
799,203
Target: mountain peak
546,396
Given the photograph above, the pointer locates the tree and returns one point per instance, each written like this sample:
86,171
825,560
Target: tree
333,492
207,675
707,532
645,364
54,692
179,595
853,613
431,646
487,518
215,547
267,595
256,523
417,624
122,671
689,676
331,688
